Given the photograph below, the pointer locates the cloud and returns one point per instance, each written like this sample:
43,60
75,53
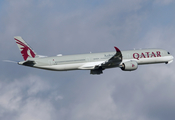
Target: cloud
36,109
25,99
84,26
159,38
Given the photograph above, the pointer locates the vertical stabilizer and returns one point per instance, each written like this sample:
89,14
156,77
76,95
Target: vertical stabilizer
25,49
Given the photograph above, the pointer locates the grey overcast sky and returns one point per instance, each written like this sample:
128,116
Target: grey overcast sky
65,27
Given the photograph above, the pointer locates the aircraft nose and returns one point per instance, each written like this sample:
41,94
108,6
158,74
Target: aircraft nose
172,57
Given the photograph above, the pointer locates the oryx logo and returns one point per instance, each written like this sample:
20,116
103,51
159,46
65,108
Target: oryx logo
25,50
133,65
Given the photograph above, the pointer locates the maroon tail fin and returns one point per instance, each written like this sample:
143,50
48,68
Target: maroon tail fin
25,49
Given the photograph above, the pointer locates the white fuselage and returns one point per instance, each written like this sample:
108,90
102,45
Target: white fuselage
89,61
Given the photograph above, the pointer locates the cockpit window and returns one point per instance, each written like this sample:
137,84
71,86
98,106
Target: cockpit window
168,52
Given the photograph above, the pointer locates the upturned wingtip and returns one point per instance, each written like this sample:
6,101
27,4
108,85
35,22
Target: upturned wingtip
117,50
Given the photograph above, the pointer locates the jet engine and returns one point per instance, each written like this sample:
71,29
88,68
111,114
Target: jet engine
129,66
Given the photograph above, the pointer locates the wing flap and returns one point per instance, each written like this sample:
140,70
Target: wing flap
91,65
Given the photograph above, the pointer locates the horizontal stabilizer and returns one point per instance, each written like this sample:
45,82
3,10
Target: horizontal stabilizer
10,61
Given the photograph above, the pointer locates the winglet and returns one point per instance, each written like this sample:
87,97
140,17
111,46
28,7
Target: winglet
117,50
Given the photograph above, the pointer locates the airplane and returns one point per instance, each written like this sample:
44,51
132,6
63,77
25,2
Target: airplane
95,62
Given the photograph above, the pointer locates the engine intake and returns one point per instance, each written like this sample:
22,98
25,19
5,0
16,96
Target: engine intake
129,66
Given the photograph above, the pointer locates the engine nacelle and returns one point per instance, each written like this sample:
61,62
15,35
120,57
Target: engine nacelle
129,66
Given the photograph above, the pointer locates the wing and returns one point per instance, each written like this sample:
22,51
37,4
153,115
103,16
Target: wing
113,61
98,67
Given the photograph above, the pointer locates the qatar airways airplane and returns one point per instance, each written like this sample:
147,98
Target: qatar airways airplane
95,62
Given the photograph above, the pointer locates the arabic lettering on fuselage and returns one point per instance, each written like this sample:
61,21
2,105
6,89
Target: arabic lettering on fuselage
108,55
146,55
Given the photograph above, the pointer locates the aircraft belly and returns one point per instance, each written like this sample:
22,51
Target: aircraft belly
63,67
